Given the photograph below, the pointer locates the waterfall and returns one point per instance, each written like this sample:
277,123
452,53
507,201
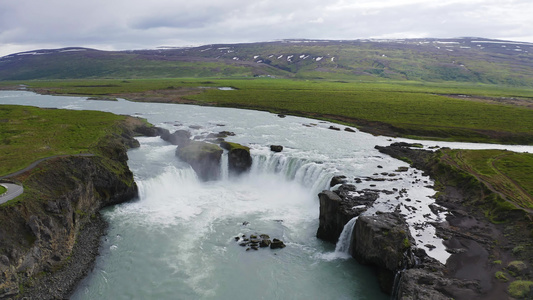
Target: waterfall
345,239
224,166
171,179
396,285
310,174
342,248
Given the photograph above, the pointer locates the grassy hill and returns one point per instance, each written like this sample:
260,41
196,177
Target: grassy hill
474,60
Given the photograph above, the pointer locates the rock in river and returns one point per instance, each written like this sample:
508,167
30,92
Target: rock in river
239,158
203,157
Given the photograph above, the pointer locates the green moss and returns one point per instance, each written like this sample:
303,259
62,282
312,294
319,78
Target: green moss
231,146
520,288
518,264
516,268
500,275
80,213
406,243
405,159
518,249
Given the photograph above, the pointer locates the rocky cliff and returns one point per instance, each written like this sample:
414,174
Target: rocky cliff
485,238
339,207
62,197
383,241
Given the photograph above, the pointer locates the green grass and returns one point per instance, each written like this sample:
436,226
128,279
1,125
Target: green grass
410,109
508,173
2,189
28,133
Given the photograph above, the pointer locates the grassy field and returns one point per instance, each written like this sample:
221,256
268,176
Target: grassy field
2,190
28,133
410,109
507,173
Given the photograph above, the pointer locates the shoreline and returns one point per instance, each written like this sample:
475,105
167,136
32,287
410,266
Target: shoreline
483,253
374,127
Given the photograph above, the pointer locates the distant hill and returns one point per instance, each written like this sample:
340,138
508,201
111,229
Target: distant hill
474,60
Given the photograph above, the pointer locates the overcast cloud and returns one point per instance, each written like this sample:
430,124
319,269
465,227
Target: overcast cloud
138,24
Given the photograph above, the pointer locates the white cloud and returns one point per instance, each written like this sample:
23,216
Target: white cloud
134,24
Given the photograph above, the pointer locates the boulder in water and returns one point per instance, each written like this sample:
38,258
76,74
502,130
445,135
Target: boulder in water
203,157
276,148
337,180
179,137
239,158
265,243
262,241
277,244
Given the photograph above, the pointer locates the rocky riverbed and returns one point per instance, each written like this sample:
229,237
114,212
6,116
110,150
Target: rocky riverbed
484,254
487,260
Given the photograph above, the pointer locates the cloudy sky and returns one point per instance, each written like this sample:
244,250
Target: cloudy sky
140,24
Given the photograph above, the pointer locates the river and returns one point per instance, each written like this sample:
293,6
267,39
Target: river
177,241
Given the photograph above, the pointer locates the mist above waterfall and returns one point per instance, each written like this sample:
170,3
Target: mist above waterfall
177,239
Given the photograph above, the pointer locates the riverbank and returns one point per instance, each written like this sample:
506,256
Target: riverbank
63,282
51,233
487,239
420,111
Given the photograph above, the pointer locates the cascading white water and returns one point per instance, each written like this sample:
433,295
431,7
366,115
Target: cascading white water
309,174
224,167
177,240
345,239
343,246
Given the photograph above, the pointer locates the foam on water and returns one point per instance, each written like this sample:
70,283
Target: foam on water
199,220
177,238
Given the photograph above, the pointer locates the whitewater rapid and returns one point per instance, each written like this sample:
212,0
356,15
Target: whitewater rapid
177,240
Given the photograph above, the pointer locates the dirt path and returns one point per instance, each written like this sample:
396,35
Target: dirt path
35,163
523,192
467,168
16,189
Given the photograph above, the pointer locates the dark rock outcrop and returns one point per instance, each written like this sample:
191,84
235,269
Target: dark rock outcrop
180,138
203,157
148,130
337,180
255,242
479,248
276,148
239,158
428,281
382,240
339,207
277,244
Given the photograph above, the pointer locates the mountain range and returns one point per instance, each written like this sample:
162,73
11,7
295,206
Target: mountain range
474,60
